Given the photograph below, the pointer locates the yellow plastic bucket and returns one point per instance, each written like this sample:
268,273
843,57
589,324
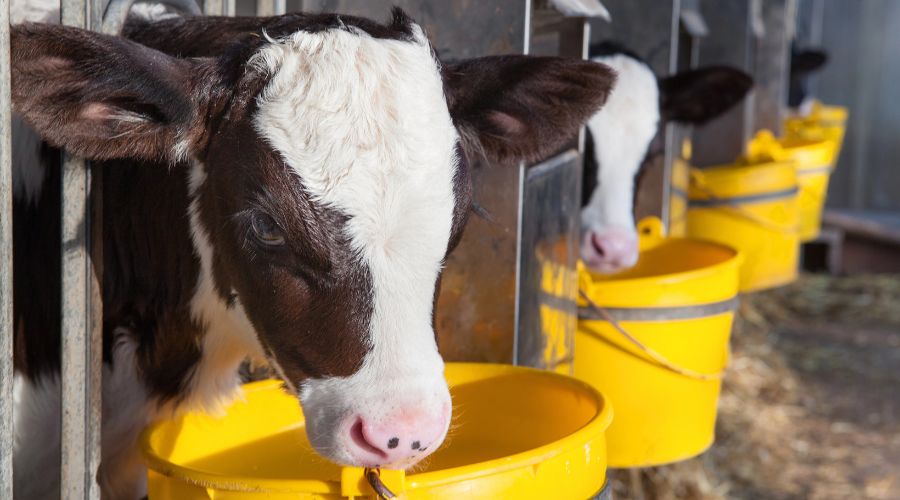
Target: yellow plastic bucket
518,433
814,160
678,303
823,122
752,208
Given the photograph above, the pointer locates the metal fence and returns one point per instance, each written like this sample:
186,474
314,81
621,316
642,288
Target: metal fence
82,310
6,315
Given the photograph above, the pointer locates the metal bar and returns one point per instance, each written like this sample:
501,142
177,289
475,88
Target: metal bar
94,350
81,342
214,7
6,264
270,7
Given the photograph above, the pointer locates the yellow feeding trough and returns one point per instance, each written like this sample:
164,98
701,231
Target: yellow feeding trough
814,160
654,340
752,208
518,433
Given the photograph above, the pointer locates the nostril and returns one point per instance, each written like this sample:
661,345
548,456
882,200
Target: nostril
598,245
393,443
358,436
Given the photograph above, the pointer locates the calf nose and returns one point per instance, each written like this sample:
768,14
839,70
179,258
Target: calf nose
400,440
610,251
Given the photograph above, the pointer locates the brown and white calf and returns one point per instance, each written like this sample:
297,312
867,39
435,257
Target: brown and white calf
283,189
619,140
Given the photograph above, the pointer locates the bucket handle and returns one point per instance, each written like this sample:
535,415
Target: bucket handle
373,476
658,358
698,183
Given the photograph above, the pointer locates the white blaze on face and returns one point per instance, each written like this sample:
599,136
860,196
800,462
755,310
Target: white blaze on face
622,132
364,124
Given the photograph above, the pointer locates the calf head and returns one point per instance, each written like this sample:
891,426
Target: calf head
804,64
620,135
328,179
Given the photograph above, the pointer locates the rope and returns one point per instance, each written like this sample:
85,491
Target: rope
653,355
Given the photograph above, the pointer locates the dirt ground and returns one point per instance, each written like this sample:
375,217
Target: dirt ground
810,407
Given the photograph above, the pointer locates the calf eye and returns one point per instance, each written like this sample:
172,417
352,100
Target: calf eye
266,230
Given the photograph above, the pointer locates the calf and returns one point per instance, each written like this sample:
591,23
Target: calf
804,65
286,191
619,137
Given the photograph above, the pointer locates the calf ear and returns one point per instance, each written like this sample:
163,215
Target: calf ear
700,95
521,107
807,61
101,97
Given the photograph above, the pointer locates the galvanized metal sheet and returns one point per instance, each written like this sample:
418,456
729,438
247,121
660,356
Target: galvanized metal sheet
458,28
771,68
6,265
548,311
731,42
81,327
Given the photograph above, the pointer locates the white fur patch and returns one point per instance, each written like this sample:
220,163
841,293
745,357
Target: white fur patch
37,431
230,337
622,132
126,411
364,124
36,450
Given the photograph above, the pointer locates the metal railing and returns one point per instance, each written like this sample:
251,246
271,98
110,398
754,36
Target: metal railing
6,299
82,312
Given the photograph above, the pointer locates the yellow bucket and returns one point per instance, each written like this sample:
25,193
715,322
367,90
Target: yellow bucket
752,208
678,304
518,433
814,160
823,122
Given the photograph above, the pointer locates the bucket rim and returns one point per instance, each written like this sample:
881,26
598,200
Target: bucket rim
736,260
589,432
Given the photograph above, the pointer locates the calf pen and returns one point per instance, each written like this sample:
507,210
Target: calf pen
82,308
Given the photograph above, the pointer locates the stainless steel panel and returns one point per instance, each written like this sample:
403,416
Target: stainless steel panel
219,7
270,7
476,310
457,28
730,41
6,267
772,64
548,258
861,39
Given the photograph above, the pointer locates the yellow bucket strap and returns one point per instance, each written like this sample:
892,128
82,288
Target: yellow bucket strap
653,355
737,209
